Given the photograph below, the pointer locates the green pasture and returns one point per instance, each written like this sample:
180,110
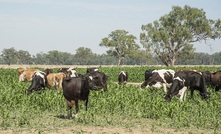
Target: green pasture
121,105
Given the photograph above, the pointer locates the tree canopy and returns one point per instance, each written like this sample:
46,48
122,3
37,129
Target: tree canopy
172,36
121,44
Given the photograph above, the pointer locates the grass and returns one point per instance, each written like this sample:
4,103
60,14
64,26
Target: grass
123,109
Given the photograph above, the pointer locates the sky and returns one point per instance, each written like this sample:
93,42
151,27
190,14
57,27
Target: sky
65,25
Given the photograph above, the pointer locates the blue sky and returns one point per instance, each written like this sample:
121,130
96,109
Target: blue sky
65,25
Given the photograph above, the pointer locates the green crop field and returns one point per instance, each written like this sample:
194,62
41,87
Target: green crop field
122,109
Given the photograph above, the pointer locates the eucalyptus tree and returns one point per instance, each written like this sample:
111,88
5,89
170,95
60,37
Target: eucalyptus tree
84,56
120,44
9,55
174,34
24,57
54,57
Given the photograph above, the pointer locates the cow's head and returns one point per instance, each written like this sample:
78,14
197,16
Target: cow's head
38,82
99,80
177,84
92,69
205,95
72,73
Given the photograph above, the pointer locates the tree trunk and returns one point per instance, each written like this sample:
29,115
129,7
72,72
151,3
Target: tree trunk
119,61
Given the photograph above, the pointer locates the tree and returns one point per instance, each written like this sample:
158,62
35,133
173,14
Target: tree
172,37
9,55
41,58
84,56
24,57
121,44
54,57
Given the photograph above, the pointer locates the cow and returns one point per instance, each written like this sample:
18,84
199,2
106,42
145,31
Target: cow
100,79
20,71
158,78
213,79
72,73
48,71
91,69
38,82
75,89
63,70
54,80
26,74
122,77
184,80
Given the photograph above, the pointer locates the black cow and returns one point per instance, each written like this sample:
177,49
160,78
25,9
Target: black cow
213,79
38,82
100,79
158,78
77,88
184,80
122,77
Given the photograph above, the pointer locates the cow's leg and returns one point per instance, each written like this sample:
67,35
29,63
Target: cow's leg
69,109
69,112
165,87
86,103
76,106
191,93
182,93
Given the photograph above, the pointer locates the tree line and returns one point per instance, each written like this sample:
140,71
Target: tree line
167,41
84,56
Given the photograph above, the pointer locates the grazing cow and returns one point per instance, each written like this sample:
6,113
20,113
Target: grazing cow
213,79
55,80
77,88
100,79
92,69
158,78
38,82
184,80
122,77
26,74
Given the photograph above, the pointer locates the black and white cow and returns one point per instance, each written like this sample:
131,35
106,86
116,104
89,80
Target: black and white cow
158,78
63,70
71,72
75,89
122,77
184,80
38,82
100,79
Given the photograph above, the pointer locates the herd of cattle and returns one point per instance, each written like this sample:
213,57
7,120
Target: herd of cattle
77,86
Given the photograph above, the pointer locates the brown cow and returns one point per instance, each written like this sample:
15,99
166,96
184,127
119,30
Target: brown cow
55,80
213,79
26,74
